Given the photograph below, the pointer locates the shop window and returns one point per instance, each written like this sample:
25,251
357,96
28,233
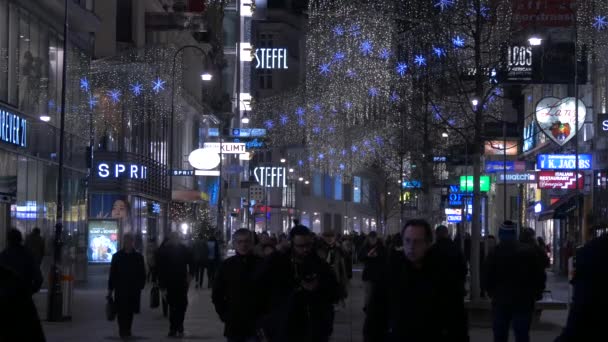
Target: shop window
357,189
328,187
338,187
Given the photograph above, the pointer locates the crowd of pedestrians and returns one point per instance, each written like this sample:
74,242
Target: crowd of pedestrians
287,288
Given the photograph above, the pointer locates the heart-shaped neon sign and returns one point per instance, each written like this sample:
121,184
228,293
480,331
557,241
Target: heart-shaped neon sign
556,118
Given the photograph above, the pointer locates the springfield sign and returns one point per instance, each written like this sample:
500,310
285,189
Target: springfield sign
13,128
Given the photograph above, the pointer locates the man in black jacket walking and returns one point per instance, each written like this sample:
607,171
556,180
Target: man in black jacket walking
175,271
424,290
19,260
587,314
299,291
233,296
127,279
515,280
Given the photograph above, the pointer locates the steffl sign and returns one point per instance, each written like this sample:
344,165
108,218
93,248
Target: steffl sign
271,58
603,124
271,177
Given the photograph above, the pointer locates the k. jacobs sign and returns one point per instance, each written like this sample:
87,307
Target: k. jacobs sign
563,162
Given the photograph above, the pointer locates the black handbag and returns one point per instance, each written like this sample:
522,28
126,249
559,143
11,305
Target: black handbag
110,308
154,297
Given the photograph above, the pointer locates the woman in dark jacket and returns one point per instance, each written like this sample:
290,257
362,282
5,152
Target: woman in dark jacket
127,279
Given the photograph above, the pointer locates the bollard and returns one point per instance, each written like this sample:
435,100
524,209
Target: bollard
67,288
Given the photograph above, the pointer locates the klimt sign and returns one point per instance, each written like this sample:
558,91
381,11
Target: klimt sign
560,180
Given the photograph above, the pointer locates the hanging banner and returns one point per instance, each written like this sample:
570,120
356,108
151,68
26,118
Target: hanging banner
556,118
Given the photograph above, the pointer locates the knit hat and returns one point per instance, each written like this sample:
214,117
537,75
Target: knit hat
507,231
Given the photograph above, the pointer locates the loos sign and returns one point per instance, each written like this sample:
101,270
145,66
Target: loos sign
121,170
271,177
271,58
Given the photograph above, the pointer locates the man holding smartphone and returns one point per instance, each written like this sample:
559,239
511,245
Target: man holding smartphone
299,292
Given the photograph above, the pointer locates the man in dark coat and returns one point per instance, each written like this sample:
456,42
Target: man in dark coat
587,314
127,279
373,256
515,280
422,291
452,265
176,270
19,260
19,319
35,244
299,291
233,296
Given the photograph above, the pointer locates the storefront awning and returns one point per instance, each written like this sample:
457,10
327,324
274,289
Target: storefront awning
560,209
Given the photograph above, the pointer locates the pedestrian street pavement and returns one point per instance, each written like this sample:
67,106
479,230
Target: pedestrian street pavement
88,321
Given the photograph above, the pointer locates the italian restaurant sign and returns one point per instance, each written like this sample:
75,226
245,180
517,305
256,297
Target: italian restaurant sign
556,118
560,180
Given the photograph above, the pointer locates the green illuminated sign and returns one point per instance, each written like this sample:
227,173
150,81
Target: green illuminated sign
466,183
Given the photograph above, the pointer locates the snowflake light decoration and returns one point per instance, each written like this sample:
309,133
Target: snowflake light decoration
350,73
366,48
394,97
284,119
378,140
401,68
321,156
439,52
301,122
136,88
92,101
355,30
600,23
299,111
316,107
84,84
348,105
324,69
373,92
341,166
443,4
300,162
158,85
114,95
385,54
269,124
316,130
458,41
420,60
338,30
331,129
339,56
354,148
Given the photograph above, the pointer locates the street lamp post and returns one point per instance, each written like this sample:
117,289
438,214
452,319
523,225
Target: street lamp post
205,77
55,296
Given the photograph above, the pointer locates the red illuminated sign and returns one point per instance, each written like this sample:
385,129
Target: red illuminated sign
560,180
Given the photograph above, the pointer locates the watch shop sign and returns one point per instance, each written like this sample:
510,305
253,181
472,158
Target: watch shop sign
560,180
